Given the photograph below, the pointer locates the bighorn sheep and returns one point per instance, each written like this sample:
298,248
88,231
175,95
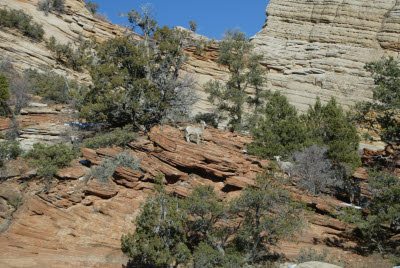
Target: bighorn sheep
195,131
284,166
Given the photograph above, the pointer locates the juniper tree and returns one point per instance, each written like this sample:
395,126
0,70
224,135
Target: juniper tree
130,87
159,238
381,115
245,71
210,232
193,26
329,125
280,131
4,95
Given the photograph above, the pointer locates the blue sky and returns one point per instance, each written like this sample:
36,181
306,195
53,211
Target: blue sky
213,17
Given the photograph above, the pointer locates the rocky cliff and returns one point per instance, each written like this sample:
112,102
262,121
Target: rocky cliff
311,47
78,223
319,47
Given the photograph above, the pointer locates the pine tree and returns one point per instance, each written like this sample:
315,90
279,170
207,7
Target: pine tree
245,71
4,95
280,132
329,125
381,116
159,238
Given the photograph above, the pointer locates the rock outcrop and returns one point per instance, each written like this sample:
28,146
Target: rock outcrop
318,48
312,48
45,124
79,222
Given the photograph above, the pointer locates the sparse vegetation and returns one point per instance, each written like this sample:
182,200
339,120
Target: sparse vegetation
70,57
54,87
106,169
19,86
92,7
383,220
8,150
310,254
51,6
4,95
138,84
382,115
49,158
245,70
315,170
208,232
118,137
193,26
18,19
211,119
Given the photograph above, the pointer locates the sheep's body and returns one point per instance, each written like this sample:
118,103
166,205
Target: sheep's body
284,166
198,131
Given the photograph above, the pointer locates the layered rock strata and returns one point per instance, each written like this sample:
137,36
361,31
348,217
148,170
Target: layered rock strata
318,48
79,222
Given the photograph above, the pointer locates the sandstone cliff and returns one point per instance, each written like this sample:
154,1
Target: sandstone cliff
311,47
318,47
79,224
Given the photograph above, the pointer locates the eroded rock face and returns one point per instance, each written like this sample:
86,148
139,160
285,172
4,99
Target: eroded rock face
78,223
319,48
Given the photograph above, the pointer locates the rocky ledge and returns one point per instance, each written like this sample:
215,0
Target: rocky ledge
79,222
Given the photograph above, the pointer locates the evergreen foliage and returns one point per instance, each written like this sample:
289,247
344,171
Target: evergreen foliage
193,26
23,22
211,119
383,220
18,84
283,132
69,57
106,169
92,7
49,158
51,5
138,83
330,126
54,87
245,70
159,239
280,132
382,115
4,95
119,137
8,150
209,232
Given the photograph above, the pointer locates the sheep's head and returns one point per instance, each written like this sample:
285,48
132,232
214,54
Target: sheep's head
278,158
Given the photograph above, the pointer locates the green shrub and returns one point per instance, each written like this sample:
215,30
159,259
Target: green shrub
331,126
310,254
51,5
92,7
54,87
23,22
49,158
9,150
280,132
106,169
4,95
211,233
211,119
193,26
283,132
70,57
383,221
119,137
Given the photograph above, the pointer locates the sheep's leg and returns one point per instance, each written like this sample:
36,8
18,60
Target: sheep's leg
198,139
187,137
